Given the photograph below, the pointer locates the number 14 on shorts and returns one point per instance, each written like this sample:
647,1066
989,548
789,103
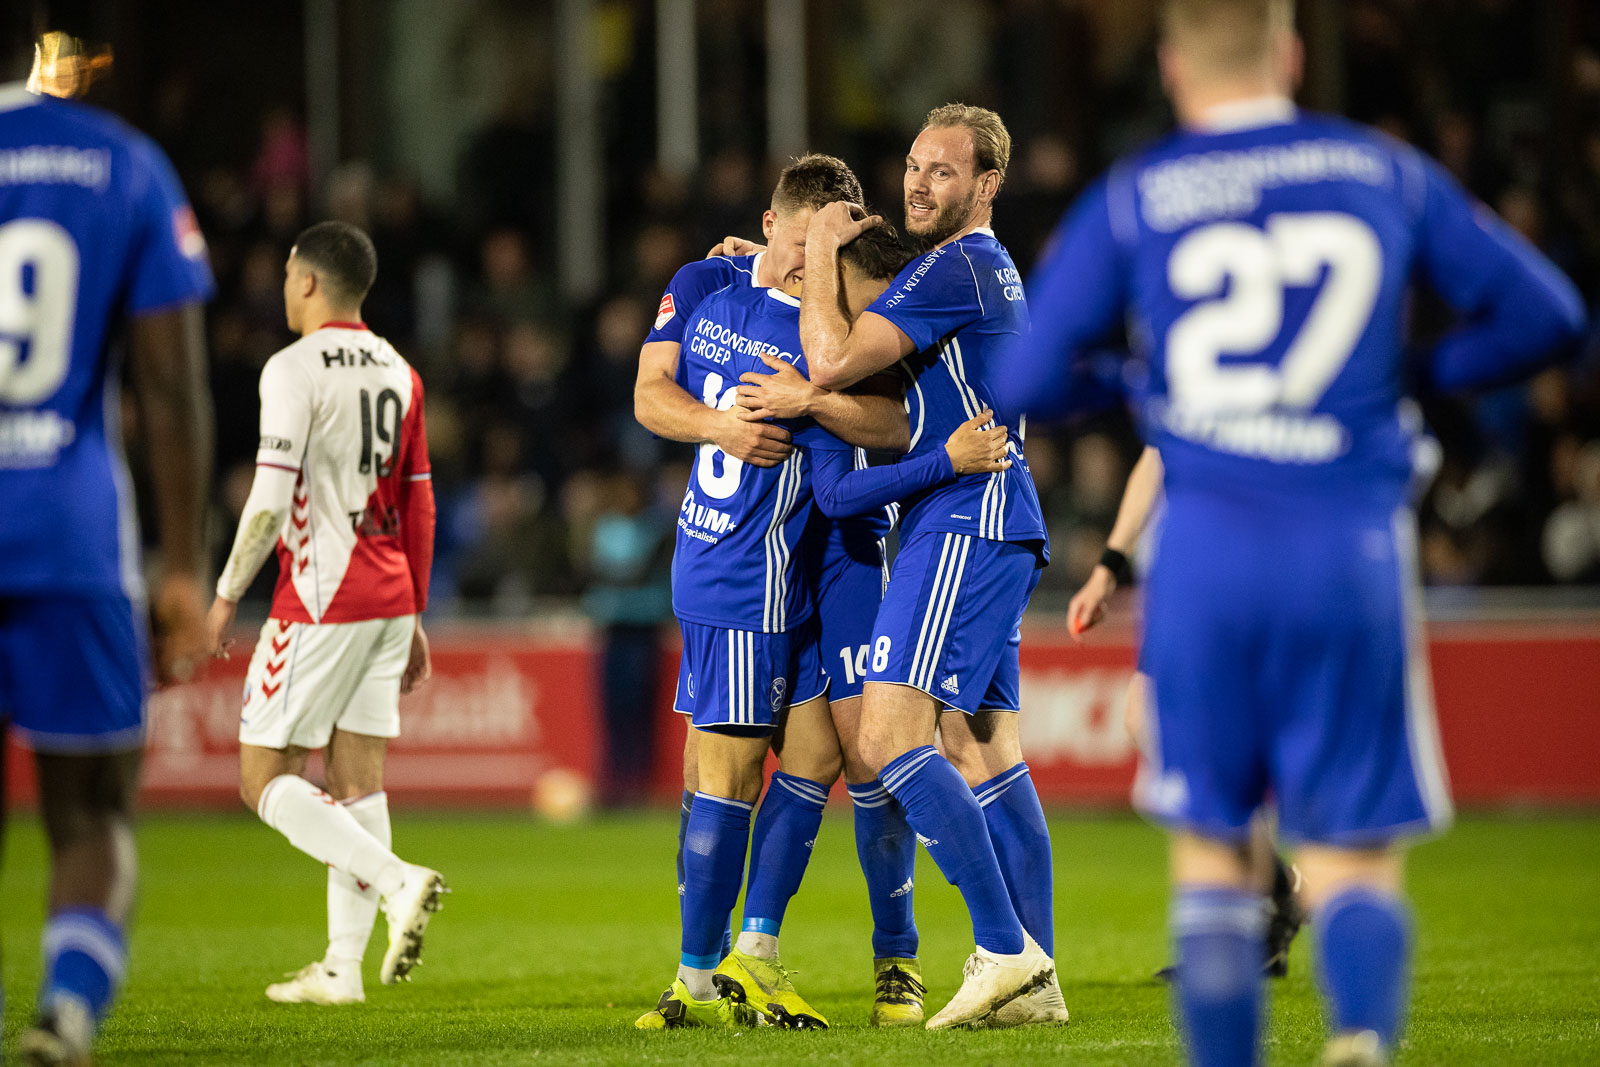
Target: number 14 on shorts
855,659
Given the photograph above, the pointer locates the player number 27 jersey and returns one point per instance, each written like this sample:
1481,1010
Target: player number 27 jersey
344,410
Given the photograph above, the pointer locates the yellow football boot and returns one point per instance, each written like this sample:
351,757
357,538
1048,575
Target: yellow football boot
763,984
678,1009
898,1000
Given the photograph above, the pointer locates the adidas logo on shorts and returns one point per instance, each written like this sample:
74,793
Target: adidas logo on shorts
949,685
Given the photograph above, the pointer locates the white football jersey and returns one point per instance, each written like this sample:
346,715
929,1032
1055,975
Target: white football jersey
344,410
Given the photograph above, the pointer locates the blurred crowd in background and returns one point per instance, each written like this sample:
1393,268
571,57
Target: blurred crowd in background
548,488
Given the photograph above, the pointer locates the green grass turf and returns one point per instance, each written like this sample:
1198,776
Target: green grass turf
556,938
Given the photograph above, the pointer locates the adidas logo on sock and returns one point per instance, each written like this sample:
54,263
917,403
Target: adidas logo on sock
902,891
812,843
949,685
927,842
680,889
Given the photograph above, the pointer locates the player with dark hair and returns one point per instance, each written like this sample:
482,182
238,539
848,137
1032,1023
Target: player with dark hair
1267,255
948,633
343,492
94,232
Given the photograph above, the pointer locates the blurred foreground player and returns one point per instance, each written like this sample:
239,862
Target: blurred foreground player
1266,255
94,230
343,491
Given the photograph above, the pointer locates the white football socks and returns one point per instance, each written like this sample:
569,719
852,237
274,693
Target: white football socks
752,943
352,903
323,829
698,980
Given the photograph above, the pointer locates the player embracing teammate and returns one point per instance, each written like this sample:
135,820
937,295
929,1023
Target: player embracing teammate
1267,254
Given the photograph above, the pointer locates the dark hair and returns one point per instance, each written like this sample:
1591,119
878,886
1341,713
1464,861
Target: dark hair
815,181
877,253
342,256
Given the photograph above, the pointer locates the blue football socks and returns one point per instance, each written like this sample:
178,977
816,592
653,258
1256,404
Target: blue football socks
1363,958
1021,842
780,848
1221,934
714,844
950,825
887,850
84,958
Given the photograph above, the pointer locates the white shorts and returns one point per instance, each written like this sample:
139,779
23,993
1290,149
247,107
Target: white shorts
305,679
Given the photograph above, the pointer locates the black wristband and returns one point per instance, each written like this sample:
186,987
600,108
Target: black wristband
1118,565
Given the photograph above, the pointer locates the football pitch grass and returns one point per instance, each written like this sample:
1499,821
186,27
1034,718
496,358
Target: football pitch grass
556,938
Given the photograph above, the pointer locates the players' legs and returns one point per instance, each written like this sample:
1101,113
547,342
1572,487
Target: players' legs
897,737
987,749
354,771
885,844
718,833
786,827
1219,928
1363,936
87,804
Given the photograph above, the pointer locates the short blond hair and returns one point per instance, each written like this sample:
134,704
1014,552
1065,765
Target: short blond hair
1225,35
991,141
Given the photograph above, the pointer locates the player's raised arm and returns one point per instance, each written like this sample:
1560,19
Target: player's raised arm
872,414
1076,297
839,351
1521,312
1088,605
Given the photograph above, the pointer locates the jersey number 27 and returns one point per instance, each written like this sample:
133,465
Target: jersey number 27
1291,250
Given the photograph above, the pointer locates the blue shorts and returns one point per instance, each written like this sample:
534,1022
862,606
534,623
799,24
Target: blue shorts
1286,661
950,624
848,591
740,681
74,671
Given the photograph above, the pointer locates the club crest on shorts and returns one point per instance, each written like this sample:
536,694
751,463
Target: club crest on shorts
665,312
780,686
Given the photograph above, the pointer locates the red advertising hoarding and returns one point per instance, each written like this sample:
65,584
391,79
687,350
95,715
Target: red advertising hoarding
1519,711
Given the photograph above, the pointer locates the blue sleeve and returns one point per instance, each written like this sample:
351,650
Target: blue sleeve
937,296
1520,312
168,263
1076,298
692,284
841,490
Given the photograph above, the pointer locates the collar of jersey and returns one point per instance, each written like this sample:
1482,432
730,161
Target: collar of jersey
345,326
15,94
1248,114
755,269
779,294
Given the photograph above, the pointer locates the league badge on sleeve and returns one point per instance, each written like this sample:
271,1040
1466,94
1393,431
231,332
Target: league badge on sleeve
191,242
665,312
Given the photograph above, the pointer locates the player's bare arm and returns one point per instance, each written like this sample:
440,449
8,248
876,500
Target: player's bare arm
168,350
1088,606
265,511
735,246
870,415
840,352
663,407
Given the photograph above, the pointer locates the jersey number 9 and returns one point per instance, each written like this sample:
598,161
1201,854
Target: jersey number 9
38,299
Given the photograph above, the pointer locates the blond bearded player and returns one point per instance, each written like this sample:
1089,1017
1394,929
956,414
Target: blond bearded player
342,490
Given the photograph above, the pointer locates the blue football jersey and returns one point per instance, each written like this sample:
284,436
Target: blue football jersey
1266,269
93,228
737,563
692,284
960,305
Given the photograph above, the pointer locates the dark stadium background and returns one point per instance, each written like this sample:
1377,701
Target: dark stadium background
533,173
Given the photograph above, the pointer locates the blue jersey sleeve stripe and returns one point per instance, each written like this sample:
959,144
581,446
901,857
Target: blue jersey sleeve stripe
975,285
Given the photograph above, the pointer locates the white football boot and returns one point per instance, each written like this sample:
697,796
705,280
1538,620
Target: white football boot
1362,1048
1045,1006
991,980
323,982
407,912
